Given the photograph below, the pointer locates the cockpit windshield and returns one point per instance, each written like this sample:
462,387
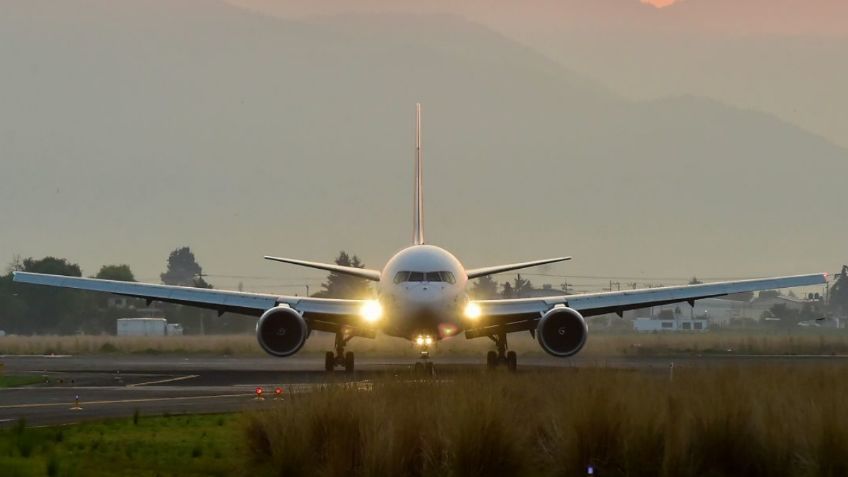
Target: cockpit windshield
402,277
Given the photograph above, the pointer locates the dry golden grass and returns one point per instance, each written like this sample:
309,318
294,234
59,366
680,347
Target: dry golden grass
599,345
753,421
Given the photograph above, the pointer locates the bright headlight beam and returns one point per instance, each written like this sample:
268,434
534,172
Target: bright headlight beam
371,311
473,311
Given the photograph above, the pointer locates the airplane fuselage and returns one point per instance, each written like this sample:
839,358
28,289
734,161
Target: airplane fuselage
422,290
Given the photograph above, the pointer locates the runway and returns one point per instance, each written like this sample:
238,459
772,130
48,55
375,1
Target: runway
116,386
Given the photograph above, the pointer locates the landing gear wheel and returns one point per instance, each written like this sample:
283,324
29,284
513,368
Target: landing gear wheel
429,369
491,359
348,362
419,367
511,361
329,361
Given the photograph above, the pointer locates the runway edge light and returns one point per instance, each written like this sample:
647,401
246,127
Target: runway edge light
76,404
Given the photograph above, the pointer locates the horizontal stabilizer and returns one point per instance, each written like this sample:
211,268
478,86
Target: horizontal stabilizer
481,272
331,267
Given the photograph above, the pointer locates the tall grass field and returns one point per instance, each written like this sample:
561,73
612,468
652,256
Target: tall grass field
757,421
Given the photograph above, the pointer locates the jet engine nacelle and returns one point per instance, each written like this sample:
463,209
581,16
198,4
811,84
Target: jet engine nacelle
281,331
562,332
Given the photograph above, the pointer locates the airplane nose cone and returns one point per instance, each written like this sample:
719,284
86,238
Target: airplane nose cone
423,295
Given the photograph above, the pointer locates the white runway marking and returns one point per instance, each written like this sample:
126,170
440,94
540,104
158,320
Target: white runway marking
161,381
122,401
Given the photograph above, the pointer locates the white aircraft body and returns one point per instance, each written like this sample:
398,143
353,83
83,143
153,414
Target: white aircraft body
421,297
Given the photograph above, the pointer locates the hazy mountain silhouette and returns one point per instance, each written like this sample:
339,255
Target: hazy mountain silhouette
129,127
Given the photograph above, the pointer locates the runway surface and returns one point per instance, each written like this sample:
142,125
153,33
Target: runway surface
116,386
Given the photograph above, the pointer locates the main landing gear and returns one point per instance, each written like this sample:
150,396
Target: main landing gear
501,356
339,358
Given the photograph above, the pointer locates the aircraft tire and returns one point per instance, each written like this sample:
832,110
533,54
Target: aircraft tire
348,362
491,359
511,361
329,361
429,369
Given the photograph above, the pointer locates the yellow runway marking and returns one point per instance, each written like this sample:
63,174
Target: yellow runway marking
122,401
171,380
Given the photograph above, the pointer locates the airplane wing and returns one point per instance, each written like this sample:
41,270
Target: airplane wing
480,272
524,313
323,314
331,267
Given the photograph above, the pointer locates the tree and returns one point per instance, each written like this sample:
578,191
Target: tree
695,281
484,288
43,309
121,273
183,270
521,287
507,290
339,285
53,266
839,292
787,317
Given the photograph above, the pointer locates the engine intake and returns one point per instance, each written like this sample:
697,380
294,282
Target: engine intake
562,332
281,331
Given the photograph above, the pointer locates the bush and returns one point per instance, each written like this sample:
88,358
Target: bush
108,347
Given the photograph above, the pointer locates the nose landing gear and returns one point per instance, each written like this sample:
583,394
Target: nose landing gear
424,366
340,358
501,356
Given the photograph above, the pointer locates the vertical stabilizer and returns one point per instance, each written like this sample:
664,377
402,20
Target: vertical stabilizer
418,231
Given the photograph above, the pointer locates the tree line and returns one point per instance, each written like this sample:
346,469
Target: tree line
26,309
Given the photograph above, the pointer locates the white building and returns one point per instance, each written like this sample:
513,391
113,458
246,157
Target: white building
147,327
650,325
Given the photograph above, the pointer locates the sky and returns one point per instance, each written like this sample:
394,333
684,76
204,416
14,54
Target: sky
651,144
783,57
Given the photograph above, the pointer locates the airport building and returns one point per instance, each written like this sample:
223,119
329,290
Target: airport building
147,327
653,325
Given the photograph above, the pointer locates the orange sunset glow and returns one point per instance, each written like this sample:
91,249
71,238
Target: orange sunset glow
659,3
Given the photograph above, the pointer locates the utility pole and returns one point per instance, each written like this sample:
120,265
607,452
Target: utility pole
827,293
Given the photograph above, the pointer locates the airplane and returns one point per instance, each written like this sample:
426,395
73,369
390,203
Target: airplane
421,297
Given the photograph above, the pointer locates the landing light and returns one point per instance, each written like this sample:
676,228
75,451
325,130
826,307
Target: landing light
371,311
473,311
422,340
